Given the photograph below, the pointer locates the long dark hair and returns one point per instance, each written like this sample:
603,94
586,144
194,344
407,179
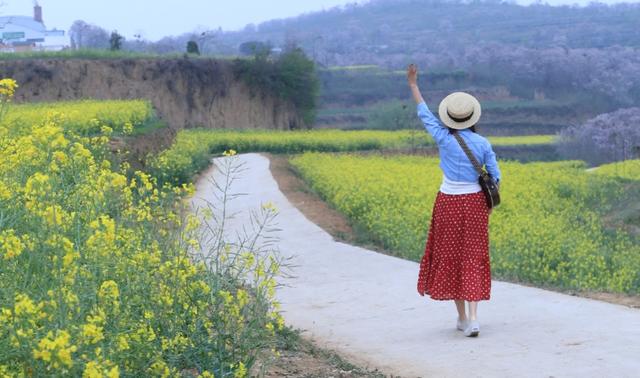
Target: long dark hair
472,128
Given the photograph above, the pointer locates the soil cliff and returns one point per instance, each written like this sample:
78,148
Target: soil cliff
185,92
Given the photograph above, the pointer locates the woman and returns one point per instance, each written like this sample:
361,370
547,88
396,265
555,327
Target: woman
456,265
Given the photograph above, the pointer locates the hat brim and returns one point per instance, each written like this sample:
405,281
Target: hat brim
448,121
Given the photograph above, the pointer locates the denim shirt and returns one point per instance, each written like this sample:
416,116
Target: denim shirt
454,163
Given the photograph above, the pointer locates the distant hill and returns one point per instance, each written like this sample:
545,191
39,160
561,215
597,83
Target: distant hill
538,50
383,32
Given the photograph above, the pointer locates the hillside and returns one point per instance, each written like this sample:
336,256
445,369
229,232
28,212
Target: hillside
374,97
377,31
538,68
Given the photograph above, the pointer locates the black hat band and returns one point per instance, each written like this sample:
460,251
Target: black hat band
459,119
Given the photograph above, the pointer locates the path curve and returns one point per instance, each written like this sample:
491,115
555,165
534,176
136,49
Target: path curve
365,305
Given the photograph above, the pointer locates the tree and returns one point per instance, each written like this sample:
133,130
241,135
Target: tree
606,138
299,81
205,40
115,42
192,48
84,35
291,76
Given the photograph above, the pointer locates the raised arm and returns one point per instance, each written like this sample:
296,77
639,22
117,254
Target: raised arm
412,78
430,122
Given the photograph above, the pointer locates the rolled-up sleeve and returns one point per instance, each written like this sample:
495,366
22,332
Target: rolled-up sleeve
491,163
431,123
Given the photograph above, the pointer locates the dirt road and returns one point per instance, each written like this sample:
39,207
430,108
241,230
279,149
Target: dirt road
365,305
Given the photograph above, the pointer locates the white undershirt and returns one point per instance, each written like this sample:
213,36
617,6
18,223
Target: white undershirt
458,187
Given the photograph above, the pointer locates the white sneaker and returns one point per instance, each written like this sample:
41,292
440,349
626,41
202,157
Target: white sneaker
472,329
461,324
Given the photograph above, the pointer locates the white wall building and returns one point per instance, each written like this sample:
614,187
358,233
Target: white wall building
23,33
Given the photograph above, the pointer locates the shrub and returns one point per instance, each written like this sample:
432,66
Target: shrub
192,48
291,76
103,274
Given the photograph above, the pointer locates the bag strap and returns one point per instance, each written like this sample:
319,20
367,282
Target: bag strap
467,151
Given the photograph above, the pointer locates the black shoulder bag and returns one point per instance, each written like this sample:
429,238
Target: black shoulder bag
487,183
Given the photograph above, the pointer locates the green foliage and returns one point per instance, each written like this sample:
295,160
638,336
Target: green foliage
115,41
192,48
291,76
298,82
549,229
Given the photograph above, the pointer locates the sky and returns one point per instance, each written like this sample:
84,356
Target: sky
156,19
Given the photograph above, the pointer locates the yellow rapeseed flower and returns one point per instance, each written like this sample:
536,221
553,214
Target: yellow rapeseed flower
241,371
127,128
269,206
229,152
10,244
7,88
92,333
96,369
56,350
24,305
5,192
123,344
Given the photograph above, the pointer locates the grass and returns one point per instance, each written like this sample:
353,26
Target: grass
355,110
146,128
529,140
99,54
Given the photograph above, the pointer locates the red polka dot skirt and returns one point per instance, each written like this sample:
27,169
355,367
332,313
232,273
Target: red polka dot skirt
456,263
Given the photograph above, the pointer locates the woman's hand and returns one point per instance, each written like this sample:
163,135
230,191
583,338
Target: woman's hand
412,78
412,74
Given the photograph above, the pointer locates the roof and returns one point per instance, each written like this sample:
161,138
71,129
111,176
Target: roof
25,21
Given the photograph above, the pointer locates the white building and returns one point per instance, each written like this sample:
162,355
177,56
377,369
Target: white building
23,33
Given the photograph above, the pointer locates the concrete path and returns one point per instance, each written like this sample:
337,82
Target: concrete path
365,305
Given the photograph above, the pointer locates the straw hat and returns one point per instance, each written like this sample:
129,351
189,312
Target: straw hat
459,110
